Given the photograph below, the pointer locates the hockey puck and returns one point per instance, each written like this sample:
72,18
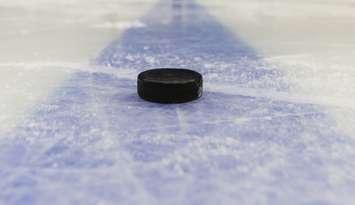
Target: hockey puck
169,85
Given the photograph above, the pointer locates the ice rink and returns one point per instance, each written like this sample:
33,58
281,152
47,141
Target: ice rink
275,125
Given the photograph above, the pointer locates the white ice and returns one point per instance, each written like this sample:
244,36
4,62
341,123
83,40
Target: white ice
41,41
311,41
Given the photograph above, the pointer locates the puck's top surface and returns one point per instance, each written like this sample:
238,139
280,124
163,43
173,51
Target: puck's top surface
170,76
170,85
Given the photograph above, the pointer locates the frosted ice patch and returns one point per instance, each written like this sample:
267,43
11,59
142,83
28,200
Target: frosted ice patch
120,25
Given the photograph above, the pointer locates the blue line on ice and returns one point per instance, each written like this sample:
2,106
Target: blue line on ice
96,142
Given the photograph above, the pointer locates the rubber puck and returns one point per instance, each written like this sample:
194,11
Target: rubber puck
170,85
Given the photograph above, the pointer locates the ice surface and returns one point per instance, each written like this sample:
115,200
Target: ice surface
273,127
42,40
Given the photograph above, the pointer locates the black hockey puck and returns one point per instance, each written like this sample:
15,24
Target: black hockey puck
170,85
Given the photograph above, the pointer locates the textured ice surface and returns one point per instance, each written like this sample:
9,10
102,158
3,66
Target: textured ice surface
95,142
41,41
